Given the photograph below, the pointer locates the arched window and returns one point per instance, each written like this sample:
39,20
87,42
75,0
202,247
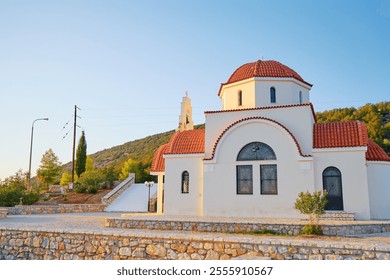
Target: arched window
331,181
256,151
300,97
185,182
272,93
239,98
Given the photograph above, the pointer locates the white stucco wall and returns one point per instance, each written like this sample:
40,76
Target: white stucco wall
295,174
379,189
229,95
256,93
352,164
176,202
298,119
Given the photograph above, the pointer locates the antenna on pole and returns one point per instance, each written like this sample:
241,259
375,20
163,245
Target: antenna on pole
74,140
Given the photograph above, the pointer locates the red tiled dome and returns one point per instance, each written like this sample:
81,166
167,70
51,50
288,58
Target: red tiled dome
266,69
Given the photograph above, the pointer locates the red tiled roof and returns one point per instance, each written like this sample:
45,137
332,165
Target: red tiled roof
255,118
182,142
265,69
375,152
158,163
187,142
340,134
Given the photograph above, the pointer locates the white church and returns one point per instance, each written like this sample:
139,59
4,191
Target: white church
264,147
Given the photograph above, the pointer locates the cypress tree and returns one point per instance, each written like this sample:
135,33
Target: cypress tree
81,155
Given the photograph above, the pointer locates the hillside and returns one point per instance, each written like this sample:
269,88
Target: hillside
376,116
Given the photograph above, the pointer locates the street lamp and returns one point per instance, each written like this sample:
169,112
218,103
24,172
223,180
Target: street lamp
149,185
29,166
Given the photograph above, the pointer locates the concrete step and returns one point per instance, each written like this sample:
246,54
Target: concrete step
338,216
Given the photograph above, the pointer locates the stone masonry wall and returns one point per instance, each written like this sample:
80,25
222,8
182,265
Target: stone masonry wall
3,212
43,245
235,227
55,209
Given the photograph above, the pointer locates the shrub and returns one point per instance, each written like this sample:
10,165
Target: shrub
80,188
92,189
29,198
313,205
311,230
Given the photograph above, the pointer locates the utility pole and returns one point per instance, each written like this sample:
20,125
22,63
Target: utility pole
74,140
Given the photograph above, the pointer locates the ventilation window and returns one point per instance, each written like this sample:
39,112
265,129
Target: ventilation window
273,95
240,98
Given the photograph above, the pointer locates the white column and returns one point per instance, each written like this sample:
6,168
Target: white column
160,189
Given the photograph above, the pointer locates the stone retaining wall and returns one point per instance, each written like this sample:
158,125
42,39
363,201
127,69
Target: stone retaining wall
3,212
43,245
55,209
236,227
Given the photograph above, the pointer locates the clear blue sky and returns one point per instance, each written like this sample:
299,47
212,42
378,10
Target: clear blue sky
127,64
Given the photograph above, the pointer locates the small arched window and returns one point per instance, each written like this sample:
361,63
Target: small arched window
185,182
256,151
300,97
239,98
272,93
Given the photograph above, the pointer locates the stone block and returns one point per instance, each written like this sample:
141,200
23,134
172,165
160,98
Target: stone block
125,251
219,247
196,256
178,247
183,256
212,255
171,255
156,250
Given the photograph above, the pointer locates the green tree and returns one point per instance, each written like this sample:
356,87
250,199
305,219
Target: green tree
49,169
89,166
109,174
140,169
89,182
66,178
130,166
313,205
13,191
81,155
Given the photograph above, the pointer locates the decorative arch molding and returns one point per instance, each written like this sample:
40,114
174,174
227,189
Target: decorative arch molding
248,120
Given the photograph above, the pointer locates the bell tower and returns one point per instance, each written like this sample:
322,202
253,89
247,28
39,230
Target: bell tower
185,118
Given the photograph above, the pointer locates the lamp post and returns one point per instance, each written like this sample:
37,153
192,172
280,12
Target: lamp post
29,166
149,185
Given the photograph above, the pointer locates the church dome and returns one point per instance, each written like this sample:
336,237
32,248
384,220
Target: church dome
264,69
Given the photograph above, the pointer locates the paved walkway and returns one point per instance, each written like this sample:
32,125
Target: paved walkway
93,223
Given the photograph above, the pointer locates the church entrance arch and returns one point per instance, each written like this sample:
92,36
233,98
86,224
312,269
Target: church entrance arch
331,180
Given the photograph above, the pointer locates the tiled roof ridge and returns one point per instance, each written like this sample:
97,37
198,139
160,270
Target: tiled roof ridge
376,153
266,108
255,118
